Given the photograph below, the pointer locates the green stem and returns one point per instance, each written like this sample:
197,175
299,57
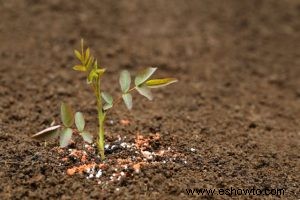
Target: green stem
101,134
101,119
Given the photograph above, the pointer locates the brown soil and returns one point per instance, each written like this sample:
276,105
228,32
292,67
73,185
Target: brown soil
237,102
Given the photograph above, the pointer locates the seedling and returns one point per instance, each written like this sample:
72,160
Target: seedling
105,102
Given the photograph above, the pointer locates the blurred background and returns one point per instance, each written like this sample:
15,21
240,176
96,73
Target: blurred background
240,58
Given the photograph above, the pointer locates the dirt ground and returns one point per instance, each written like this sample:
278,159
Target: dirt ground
237,102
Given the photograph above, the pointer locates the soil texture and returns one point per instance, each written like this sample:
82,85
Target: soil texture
232,120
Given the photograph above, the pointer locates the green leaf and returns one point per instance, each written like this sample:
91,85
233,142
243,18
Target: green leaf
145,91
66,114
156,83
92,76
107,98
79,68
86,136
65,137
48,133
79,121
125,81
87,55
107,106
78,55
144,75
127,98
89,63
100,72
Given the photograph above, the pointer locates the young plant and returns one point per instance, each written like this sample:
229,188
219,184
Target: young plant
105,102
65,130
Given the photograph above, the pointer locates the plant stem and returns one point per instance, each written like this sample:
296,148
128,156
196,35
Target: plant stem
101,135
101,119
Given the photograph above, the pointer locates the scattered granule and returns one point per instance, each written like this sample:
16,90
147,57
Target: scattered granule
143,143
58,150
140,154
65,159
125,122
84,158
71,171
80,169
103,166
76,153
89,148
121,161
137,167
160,153
147,155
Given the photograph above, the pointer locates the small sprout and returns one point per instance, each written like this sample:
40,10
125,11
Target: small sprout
89,65
79,121
66,114
65,137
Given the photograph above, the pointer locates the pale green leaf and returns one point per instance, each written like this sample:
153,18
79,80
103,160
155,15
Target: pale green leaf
79,121
156,83
107,98
78,55
66,114
65,137
127,98
79,68
145,91
48,133
87,137
107,106
144,75
125,81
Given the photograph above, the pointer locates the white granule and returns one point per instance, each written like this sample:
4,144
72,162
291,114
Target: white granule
99,173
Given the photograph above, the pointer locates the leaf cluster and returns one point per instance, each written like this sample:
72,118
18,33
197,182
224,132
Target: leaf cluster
88,64
65,131
142,84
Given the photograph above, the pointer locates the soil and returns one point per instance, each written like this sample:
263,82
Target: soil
234,115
